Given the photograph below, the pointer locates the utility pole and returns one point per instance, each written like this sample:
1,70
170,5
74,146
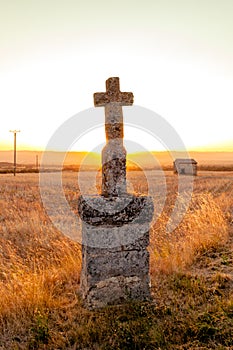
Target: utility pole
15,132
37,163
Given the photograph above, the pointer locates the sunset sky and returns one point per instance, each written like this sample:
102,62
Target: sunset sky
176,56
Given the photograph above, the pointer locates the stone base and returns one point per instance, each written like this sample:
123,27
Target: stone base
115,260
117,290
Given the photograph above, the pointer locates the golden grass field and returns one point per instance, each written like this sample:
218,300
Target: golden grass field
191,273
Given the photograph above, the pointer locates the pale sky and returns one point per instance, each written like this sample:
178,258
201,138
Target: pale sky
176,56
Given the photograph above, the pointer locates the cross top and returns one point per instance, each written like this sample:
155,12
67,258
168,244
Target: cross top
114,153
113,95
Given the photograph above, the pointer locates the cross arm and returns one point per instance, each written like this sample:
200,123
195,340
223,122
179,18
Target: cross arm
122,99
126,98
100,99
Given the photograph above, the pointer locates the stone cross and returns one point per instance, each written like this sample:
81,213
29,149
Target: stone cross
114,153
115,224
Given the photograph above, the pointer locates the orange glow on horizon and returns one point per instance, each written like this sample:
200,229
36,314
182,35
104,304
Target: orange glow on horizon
223,147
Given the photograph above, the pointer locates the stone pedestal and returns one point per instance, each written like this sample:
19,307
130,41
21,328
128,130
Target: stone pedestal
115,260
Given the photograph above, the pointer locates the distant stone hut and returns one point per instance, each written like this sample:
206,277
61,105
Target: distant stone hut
186,166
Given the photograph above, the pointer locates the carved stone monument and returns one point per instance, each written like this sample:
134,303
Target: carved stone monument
115,224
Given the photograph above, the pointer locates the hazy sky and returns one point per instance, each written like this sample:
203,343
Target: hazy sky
176,56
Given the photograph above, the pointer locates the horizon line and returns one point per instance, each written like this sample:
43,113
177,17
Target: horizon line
136,152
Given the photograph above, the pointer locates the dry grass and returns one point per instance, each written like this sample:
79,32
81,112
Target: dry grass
39,275
203,227
37,263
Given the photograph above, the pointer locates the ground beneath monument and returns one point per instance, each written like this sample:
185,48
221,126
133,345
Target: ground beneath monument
39,273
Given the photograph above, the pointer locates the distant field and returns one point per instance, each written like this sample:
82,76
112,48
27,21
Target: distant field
191,269
214,161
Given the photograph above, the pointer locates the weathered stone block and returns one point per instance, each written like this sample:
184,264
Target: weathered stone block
119,289
103,265
98,210
115,238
